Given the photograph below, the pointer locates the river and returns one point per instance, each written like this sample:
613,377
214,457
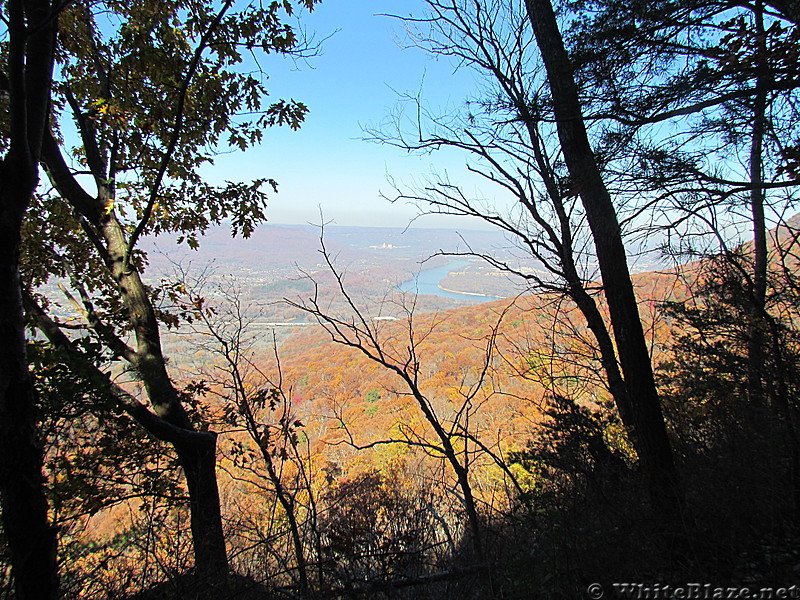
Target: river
427,282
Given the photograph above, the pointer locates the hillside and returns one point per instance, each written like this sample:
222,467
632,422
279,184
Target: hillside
526,344
486,373
492,364
535,344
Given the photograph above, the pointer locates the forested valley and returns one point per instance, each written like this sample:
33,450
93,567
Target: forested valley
194,404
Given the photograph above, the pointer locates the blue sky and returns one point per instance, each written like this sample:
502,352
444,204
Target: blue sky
364,66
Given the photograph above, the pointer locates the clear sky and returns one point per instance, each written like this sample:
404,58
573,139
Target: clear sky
356,81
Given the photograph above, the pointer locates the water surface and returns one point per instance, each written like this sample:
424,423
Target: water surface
427,282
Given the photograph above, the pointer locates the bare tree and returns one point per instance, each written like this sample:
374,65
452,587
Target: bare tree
255,403
565,217
647,419
400,354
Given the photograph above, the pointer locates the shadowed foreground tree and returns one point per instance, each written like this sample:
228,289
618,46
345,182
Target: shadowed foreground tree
506,138
724,80
29,40
563,205
154,92
648,421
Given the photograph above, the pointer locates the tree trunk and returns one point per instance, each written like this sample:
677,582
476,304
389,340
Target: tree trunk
608,358
756,334
198,459
576,289
199,465
196,453
652,441
31,538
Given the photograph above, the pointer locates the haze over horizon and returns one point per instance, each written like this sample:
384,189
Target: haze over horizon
357,82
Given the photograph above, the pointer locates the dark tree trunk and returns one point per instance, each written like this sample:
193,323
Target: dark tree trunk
651,434
761,322
31,538
756,337
196,452
199,464
576,289
608,358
